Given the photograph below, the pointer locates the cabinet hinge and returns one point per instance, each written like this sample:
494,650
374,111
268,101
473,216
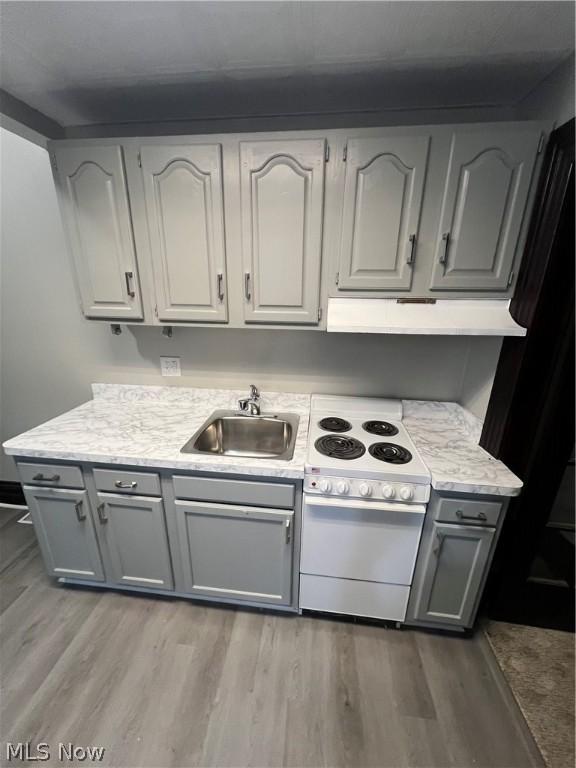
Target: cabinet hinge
511,278
345,152
541,143
139,160
337,277
319,314
327,152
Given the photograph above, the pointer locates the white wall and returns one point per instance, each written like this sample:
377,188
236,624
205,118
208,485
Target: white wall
51,354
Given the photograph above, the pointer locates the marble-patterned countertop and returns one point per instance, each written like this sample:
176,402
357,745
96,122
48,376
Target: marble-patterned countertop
446,436
147,426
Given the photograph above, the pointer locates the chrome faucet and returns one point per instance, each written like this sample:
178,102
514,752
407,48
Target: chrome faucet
250,406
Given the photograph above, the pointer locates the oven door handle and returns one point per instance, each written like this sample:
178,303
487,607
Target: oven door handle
344,503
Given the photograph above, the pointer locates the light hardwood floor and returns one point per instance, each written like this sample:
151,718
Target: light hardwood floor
162,682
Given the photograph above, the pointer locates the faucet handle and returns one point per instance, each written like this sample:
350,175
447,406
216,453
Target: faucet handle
254,391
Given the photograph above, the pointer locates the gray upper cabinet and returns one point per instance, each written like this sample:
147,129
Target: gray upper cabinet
65,532
449,574
134,541
95,208
230,551
282,202
483,205
185,219
383,187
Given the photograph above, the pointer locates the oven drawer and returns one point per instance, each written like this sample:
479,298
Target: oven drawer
354,598
369,541
468,511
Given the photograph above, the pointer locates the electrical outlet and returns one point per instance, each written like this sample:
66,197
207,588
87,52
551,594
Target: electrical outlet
170,366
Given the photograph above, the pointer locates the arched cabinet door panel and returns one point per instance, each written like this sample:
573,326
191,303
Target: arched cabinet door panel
185,219
97,217
282,201
381,212
483,206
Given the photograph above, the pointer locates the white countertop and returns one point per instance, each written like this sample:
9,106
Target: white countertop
446,436
147,427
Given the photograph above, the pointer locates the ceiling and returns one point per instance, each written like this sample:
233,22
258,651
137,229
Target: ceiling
85,63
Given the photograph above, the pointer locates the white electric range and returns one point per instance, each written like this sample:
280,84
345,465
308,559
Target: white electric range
365,494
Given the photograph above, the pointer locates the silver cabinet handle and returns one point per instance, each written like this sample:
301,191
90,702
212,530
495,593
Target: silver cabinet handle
80,514
288,531
247,293
444,254
102,516
44,478
461,516
129,289
122,484
410,258
220,283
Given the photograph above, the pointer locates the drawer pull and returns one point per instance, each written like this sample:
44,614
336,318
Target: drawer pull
480,516
44,478
122,484
102,516
80,514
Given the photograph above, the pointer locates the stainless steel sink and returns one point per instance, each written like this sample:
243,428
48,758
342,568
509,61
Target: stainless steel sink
228,433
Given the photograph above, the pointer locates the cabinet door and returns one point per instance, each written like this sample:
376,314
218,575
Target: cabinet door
183,192
381,212
237,552
282,200
65,532
132,532
453,564
97,216
483,205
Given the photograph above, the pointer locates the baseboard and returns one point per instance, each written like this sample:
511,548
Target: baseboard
11,493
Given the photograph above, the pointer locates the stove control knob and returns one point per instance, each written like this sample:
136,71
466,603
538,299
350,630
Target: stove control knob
364,489
325,486
388,491
406,492
343,487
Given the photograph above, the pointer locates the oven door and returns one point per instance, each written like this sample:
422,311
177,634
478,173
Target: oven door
354,539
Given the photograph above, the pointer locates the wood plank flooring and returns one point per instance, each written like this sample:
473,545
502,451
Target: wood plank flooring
166,682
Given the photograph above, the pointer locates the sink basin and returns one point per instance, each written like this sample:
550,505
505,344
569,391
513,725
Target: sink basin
228,433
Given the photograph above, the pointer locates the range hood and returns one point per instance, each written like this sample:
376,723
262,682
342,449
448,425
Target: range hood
439,317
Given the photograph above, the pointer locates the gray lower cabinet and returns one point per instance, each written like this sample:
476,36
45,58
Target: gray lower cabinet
238,552
450,571
65,530
134,541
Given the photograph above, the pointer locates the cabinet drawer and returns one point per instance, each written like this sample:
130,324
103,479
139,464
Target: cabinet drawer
468,511
51,475
142,483
234,491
